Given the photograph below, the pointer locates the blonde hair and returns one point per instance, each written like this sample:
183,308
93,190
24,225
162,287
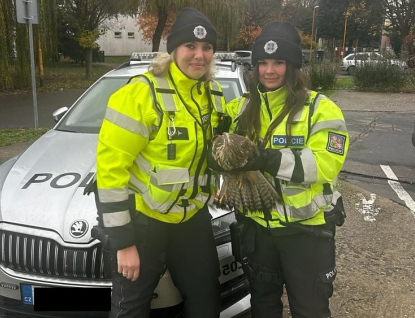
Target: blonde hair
161,63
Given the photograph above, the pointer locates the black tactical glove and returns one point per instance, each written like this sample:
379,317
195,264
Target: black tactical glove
211,162
268,160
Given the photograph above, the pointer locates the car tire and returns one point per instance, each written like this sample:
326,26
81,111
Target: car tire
351,70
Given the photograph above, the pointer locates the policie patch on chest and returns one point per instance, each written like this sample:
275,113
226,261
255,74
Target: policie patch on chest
280,140
336,143
181,133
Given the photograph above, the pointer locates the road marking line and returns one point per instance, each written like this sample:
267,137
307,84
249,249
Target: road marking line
397,187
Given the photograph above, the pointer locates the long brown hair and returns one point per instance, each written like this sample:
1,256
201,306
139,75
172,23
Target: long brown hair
249,122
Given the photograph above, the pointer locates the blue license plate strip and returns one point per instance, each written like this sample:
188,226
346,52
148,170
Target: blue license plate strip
27,294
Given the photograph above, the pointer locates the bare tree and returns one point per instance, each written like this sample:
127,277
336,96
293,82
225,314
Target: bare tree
226,15
401,14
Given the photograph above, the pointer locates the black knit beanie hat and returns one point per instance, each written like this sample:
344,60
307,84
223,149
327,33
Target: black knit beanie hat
278,40
191,25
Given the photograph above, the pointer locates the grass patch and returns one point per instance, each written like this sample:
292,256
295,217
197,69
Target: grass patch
340,83
65,75
69,75
344,83
117,59
12,136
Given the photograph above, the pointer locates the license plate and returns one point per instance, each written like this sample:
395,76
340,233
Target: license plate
229,267
83,299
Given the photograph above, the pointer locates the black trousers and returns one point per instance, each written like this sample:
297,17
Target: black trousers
189,252
305,264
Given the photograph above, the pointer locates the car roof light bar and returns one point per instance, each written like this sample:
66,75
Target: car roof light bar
143,56
226,56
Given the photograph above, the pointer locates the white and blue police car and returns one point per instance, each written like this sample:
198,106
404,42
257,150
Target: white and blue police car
46,220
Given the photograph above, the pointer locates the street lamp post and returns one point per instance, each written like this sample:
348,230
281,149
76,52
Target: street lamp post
344,35
312,33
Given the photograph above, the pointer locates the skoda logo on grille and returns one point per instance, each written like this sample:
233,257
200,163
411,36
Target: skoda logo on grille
78,228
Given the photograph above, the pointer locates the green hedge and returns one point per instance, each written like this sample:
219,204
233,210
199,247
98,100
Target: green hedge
322,75
379,77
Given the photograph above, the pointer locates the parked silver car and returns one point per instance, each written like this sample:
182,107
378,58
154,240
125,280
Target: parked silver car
46,220
352,60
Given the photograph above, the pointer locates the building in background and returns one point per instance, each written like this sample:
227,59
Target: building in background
123,38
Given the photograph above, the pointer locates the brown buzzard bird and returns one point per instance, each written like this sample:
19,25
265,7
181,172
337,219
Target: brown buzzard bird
243,190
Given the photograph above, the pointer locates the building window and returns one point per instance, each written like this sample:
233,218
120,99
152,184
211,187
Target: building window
117,34
131,35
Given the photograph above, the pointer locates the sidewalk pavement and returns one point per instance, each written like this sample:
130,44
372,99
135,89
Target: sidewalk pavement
369,101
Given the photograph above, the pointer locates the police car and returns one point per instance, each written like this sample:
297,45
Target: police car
46,220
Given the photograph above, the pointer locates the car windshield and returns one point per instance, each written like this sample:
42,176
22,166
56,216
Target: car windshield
87,114
231,88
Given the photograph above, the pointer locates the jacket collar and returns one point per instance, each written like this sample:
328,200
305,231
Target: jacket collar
275,100
183,83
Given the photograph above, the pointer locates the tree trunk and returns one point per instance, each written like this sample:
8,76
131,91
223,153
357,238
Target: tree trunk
40,63
88,62
162,18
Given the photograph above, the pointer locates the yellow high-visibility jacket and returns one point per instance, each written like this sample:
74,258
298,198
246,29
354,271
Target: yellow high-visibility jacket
152,151
308,167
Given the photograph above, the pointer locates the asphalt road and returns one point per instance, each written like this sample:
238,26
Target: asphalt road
380,127
17,111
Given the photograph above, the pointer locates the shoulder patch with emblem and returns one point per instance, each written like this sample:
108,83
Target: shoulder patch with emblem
336,143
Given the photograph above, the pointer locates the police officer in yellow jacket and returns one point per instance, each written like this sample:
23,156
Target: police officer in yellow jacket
152,176
303,143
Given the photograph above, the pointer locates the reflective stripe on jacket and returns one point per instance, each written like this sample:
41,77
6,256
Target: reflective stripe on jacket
310,164
153,144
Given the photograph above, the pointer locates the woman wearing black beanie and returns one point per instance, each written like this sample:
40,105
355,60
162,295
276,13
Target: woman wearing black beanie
152,176
302,144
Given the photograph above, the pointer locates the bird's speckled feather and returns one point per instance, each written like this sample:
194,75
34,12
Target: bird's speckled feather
244,190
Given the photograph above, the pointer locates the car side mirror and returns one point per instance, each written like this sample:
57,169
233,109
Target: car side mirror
58,114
